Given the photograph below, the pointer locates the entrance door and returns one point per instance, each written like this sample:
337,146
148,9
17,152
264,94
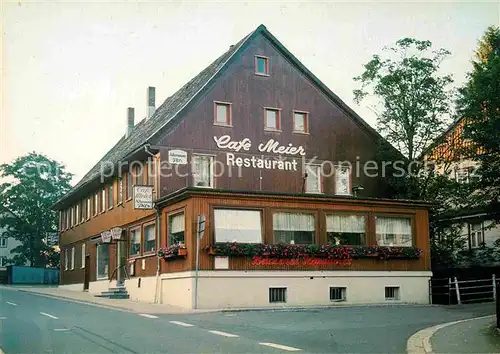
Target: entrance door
87,273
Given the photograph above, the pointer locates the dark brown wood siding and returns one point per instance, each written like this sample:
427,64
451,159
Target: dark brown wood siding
198,205
333,135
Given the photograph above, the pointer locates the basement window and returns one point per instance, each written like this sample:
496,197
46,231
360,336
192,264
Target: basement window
277,295
337,294
392,292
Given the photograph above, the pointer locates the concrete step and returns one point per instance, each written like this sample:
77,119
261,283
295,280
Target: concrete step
114,296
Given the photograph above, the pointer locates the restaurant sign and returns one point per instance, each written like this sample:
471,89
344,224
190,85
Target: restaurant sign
143,197
270,147
257,260
106,236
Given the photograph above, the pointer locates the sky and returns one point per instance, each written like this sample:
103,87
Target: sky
70,69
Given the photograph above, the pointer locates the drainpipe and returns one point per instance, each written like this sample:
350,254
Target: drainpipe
158,223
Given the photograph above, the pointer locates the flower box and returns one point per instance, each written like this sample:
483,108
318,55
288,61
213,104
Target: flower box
182,252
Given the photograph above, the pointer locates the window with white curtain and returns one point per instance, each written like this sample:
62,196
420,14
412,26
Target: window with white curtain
242,226
203,172
346,229
176,227
393,231
83,255
295,228
66,259
149,238
135,241
313,180
72,258
476,235
342,176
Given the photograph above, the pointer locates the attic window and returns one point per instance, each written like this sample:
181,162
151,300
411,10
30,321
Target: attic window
222,113
261,65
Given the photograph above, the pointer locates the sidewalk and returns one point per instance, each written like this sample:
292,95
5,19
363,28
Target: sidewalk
122,304
474,336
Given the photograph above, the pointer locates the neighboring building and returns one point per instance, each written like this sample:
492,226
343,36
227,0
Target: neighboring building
7,244
453,155
238,134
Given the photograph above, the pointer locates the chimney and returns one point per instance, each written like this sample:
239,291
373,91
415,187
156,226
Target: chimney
151,102
130,122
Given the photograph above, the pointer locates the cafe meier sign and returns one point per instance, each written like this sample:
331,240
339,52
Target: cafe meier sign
271,146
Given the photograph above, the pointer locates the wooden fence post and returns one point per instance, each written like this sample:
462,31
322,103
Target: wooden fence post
449,291
493,278
458,291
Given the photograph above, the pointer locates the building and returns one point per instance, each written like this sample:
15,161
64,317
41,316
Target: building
7,244
450,154
257,147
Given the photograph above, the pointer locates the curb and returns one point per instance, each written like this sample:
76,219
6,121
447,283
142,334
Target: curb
420,342
319,307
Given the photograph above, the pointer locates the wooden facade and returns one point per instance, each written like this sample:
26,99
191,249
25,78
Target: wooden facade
332,135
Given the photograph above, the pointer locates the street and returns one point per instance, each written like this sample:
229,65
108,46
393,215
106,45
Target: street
32,323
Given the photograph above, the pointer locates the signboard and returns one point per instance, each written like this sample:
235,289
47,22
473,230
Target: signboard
143,197
106,236
279,162
177,157
116,233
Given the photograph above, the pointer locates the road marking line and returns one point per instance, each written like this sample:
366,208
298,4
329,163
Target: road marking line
183,324
49,315
282,347
61,329
147,315
224,334
11,303
3,318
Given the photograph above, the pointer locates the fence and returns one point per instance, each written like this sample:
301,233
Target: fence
32,275
449,291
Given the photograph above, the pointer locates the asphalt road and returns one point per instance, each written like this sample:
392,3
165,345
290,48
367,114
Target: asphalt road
31,323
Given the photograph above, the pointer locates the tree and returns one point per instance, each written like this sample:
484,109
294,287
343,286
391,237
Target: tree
413,100
37,182
479,105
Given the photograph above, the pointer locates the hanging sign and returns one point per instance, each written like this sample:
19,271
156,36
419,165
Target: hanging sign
143,197
177,157
116,233
106,236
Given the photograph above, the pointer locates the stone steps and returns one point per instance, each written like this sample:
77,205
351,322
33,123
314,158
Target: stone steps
114,293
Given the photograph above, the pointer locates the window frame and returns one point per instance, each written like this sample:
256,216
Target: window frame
103,198
83,254
368,220
97,261
130,229
172,214
212,177
266,65
320,180
143,236
111,195
306,122
278,119
96,204
229,113
471,233
262,212
129,187
119,192
72,258
66,258
314,212
3,261
374,216
3,240
349,181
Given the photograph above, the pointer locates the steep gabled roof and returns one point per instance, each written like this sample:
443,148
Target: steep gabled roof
175,104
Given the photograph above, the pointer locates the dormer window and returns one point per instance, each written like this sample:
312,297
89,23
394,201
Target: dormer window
261,65
222,113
